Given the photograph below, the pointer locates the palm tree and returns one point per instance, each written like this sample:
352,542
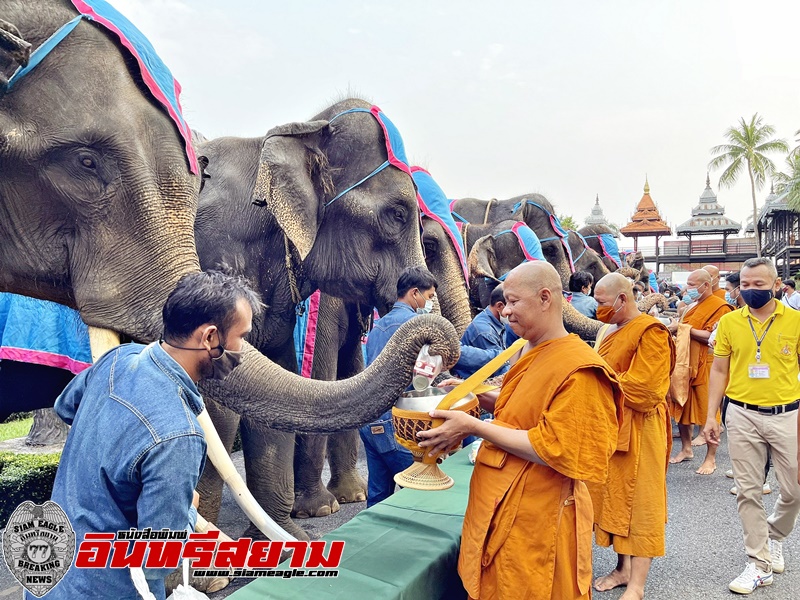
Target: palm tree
748,144
568,222
790,180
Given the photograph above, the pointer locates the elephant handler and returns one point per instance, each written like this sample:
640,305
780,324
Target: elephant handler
416,289
630,510
135,451
756,369
527,528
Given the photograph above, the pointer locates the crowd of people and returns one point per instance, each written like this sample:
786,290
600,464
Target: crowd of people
579,442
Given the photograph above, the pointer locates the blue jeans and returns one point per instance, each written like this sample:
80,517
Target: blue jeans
385,458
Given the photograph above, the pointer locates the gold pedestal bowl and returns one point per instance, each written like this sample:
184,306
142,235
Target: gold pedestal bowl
410,415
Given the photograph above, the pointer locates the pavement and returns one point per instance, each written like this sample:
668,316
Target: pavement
704,539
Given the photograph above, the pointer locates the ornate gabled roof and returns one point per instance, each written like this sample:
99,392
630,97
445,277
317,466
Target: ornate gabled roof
774,203
646,220
708,217
597,217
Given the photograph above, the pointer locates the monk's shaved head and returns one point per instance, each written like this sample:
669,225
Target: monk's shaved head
711,270
535,276
615,284
698,277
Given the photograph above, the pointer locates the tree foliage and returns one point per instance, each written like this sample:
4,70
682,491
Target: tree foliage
568,222
746,151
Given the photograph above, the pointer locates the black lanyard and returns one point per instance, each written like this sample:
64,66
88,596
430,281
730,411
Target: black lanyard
763,335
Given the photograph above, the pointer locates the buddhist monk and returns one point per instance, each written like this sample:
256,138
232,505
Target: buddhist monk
715,289
630,510
528,525
702,314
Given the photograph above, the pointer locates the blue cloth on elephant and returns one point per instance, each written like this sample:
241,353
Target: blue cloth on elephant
586,305
528,242
43,333
653,282
434,204
485,332
133,458
385,457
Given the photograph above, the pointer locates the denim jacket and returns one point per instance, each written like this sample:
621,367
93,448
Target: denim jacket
485,333
132,458
584,304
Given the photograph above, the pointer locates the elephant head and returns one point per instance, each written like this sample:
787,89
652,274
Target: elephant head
97,200
585,258
339,188
602,239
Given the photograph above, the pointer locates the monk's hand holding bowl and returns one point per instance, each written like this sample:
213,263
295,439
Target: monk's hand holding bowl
457,425
711,431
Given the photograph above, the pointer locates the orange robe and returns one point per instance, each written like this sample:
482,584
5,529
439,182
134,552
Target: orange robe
528,527
703,315
719,293
630,510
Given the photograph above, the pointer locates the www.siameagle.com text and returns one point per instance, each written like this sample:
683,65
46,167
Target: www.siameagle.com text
285,574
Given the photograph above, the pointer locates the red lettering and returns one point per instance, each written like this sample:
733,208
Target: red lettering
94,551
232,554
298,552
264,555
124,556
164,554
316,557
200,549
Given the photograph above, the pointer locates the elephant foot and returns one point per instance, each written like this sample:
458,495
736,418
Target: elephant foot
207,585
349,487
287,525
318,502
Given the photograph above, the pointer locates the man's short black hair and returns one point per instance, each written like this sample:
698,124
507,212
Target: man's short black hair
733,278
790,283
205,297
415,277
497,296
579,280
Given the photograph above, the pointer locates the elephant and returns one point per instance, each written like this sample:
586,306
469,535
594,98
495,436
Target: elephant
585,258
609,256
294,245
98,198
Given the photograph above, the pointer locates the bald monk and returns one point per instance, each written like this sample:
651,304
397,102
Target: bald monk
528,526
714,273
704,312
630,510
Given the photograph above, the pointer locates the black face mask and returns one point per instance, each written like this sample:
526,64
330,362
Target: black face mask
223,364
756,298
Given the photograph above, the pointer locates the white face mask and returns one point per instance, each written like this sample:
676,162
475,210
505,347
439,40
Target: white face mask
504,320
427,309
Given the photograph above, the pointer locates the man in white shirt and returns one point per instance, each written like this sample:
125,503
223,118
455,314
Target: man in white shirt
790,296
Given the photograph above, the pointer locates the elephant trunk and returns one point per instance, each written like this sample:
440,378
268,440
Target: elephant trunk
452,291
575,322
268,395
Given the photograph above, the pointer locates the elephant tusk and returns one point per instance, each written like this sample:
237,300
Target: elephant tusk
222,461
101,341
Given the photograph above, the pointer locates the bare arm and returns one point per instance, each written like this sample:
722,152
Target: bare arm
716,390
700,335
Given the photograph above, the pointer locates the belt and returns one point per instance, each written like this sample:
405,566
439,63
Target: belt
768,410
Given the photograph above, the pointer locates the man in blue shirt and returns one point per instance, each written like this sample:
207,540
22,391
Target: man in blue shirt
135,451
580,284
487,332
416,289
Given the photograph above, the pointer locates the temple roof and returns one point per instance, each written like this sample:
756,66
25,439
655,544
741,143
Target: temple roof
774,203
646,220
597,217
708,217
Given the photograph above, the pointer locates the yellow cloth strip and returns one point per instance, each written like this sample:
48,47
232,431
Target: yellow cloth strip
475,380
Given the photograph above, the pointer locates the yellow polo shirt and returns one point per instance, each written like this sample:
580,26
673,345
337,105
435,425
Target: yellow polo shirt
780,349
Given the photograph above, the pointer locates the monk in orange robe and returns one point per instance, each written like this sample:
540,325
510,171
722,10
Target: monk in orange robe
713,271
630,510
528,525
704,312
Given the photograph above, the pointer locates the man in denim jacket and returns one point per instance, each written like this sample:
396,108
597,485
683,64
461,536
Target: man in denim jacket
135,451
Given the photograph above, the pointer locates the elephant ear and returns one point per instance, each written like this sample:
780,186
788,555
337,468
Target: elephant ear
482,258
285,182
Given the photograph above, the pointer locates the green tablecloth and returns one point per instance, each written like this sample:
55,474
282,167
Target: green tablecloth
405,547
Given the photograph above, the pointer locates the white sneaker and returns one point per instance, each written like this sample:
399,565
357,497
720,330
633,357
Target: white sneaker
765,489
729,473
751,578
776,550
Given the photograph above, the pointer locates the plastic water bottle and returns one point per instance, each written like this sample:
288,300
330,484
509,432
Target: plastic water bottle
426,369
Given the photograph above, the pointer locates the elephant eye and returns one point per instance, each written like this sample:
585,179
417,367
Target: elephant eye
399,215
88,162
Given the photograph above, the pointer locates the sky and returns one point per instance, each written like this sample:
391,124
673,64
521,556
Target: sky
567,99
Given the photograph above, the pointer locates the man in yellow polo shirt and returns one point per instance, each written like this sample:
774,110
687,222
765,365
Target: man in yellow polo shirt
756,355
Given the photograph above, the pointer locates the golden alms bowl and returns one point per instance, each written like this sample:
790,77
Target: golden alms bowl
410,415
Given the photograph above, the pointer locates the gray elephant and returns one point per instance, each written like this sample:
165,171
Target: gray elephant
307,236
585,258
99,201
596,237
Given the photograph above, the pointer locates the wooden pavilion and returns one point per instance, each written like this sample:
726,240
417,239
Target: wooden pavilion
646,222
779,230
